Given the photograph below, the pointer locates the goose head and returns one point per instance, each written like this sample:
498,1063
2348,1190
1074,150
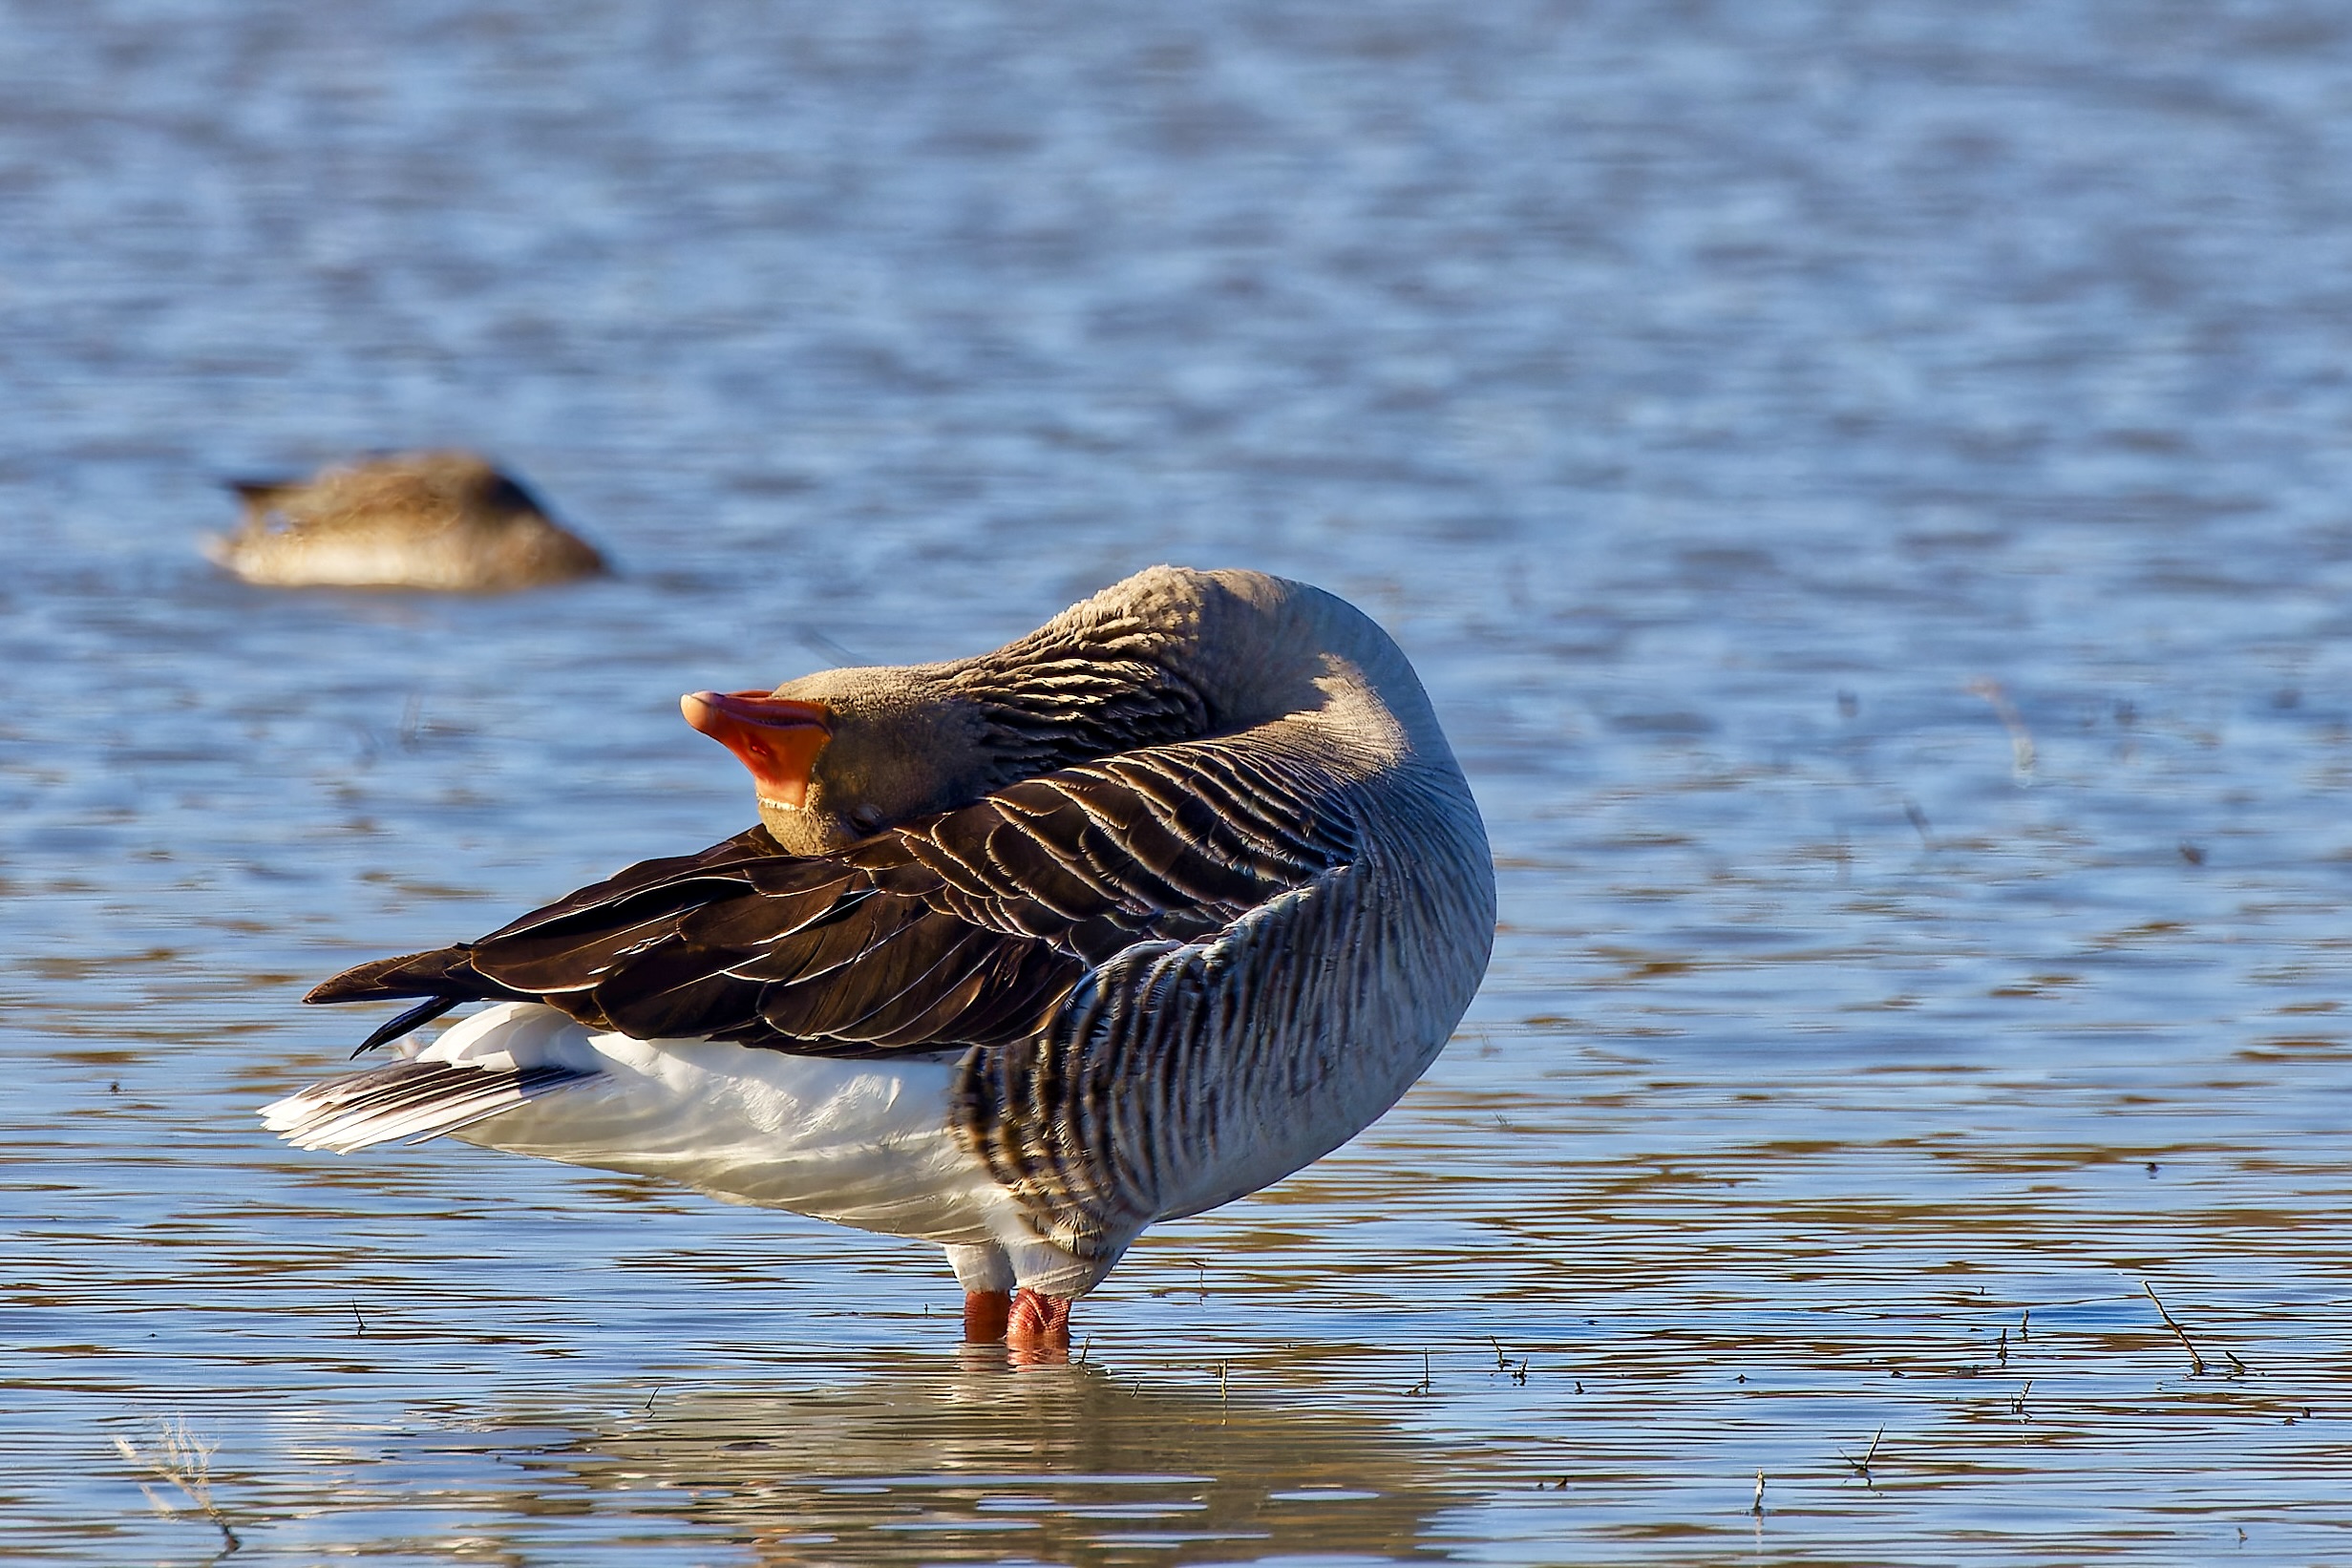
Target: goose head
843,754
839,757
1167,655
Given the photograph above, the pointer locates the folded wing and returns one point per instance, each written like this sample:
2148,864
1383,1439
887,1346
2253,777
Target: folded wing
966,928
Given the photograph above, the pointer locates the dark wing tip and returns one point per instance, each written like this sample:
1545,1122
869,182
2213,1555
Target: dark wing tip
411,974
414,1018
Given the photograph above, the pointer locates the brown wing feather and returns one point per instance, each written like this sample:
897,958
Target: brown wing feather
965,928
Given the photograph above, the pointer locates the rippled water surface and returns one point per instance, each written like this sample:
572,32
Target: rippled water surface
1868,490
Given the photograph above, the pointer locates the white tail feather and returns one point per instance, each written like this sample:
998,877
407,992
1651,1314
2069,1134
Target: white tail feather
413,1100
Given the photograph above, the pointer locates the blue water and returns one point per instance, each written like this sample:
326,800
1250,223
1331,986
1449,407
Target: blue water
1866,489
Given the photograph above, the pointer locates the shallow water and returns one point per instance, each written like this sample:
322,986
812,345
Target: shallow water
1864,486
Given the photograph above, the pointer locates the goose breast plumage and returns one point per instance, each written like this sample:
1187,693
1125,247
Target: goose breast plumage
1116,923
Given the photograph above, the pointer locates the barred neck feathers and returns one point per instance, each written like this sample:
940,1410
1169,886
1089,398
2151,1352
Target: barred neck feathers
1068,694
1172,654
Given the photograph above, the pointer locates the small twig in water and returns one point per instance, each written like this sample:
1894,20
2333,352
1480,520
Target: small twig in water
2017,1405
2021,738
1502,1361
654,1395
1422,1387
1224,1403
2196,1363
2003,1348
810,637
1861,1465
2025,1326
186,1460
358,1319
1757,1506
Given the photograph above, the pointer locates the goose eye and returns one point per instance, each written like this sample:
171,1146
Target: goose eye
866,819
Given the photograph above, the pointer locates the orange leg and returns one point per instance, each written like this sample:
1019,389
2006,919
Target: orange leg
985,1314
1034,1326
1040,1323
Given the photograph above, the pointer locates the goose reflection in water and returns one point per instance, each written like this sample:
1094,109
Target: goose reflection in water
1066,1463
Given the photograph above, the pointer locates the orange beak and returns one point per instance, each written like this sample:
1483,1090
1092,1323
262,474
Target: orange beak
776,738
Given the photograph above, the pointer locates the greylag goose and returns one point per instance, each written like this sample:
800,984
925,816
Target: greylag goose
422,519
1119,922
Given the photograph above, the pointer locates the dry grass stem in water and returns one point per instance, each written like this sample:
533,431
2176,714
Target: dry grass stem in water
2196,1363
2021,738
185,1461
1861,1465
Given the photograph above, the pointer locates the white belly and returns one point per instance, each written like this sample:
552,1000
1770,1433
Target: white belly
866,1143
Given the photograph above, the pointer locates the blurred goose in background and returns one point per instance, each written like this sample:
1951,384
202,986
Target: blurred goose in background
1116,923
420,520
